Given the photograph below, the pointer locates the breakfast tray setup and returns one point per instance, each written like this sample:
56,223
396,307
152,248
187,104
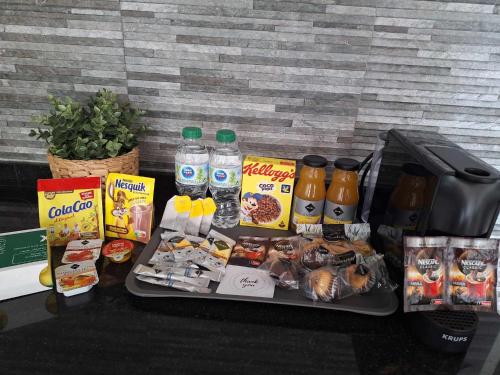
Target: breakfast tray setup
371,303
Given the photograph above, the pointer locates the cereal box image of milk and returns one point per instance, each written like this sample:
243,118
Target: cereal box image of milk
70,209
129,206
266,193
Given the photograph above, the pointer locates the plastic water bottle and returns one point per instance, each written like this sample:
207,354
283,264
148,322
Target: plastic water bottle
191,165
225,179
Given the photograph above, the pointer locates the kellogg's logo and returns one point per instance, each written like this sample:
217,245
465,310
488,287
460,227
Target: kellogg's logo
267,170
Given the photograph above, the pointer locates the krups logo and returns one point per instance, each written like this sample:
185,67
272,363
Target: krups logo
454,338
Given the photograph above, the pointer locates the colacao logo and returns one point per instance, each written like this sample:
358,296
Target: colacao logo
66,210
187,172
220,175
138,188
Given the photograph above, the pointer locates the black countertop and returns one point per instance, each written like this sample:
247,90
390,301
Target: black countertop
109,330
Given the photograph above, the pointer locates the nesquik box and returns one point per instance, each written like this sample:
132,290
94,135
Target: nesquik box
129,206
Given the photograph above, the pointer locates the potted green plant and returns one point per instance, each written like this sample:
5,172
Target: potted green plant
92,139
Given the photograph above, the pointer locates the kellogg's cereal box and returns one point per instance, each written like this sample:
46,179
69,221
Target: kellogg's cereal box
70,209
129,206
267,191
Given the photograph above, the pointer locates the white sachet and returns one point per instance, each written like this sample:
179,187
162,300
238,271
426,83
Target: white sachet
221,246
176,213
169,215
161,270
208,214
174,284
160,274
195,217
182,205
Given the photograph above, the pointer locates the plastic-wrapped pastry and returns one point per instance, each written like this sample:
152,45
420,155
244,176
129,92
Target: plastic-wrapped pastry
320,284
363,247
285,247
285,273
335,283
317,253
281,261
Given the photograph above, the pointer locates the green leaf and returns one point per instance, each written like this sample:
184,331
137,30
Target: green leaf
100,128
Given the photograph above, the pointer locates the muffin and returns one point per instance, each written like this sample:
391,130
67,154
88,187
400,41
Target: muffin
320,283
363,247
360,278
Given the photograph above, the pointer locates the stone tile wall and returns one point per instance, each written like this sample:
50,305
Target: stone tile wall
291,77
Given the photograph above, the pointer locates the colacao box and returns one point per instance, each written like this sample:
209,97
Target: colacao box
266,192
70,209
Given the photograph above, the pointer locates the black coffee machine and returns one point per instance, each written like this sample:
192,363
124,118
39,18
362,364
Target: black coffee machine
427,185
458,195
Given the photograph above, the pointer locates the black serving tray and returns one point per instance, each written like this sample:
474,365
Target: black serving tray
372,303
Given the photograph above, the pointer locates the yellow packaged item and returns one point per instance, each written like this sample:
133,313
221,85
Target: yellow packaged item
70,209
195,217
266,192
209,209
129,206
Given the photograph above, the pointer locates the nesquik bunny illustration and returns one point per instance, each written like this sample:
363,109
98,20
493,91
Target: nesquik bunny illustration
120,211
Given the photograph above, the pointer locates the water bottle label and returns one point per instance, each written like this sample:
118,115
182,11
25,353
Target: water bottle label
188,174
225,177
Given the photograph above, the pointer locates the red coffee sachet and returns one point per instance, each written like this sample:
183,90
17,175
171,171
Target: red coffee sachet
472,274
424,287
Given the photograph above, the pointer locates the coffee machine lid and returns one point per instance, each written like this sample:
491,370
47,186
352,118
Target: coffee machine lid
441,157
466,166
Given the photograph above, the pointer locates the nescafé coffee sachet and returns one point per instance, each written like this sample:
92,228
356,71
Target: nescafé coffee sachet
472,274
425,259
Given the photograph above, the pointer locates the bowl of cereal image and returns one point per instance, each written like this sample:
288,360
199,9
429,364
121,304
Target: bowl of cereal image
268,210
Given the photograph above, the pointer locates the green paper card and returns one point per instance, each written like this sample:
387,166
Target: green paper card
27,246
23,255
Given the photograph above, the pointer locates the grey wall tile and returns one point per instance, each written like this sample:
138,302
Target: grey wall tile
291,77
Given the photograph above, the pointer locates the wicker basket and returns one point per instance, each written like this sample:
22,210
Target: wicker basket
63,168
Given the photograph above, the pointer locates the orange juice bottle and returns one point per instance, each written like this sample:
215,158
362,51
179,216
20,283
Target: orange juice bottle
408,198
310,192
342,196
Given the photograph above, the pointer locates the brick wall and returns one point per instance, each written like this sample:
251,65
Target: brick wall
291,77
